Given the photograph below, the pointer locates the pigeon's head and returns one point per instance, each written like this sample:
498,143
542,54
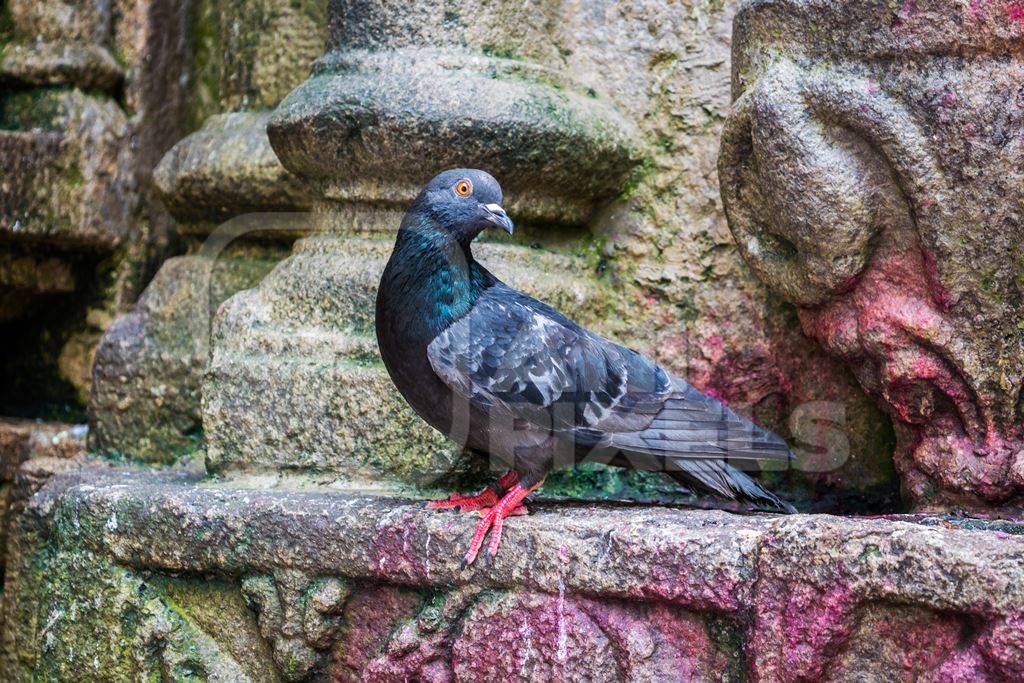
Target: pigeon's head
463,201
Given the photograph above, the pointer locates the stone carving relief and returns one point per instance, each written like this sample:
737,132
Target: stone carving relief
299,616
877,195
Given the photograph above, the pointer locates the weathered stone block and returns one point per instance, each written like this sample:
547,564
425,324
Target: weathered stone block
148,371
227,168
93,95
396,73
68,183
146,392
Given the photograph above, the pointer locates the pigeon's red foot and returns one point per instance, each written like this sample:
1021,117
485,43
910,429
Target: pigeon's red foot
494,519
482,501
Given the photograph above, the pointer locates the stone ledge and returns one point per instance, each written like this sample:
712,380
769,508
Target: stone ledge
705,559
802,591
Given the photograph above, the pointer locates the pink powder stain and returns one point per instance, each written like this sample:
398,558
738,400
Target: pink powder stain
975,9
798,629
907,10
740,379
1015,12
393,555
887,328
1002,647
941,294
657,639
544,637
715,341
949,99
716,394
370,615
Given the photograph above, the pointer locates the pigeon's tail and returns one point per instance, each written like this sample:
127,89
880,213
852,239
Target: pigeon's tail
718,478
695,438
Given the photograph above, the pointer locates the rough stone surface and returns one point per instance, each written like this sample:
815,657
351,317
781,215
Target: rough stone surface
625,593
93,94
682,294
666,66
70,169
869,177
227,168
400,71
148,372
145,397
24,440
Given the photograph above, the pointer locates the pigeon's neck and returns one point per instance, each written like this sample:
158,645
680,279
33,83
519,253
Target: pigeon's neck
433,279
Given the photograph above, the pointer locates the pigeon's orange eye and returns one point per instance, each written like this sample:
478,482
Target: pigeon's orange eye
463,188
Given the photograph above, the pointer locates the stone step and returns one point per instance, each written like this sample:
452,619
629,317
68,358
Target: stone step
634,593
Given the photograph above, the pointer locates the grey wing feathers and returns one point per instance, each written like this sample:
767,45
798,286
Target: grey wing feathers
696,437
692,425
515,354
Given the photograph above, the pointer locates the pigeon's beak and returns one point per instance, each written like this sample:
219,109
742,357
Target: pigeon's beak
495,214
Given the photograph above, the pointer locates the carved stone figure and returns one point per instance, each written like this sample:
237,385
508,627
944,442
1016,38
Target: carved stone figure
871,173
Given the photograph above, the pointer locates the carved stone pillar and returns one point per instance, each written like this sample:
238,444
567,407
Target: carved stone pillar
404,91
149,367
871,171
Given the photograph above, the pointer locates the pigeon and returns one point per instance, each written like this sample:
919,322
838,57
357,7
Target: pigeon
513,380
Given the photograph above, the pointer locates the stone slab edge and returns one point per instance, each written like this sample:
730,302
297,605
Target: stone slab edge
702,560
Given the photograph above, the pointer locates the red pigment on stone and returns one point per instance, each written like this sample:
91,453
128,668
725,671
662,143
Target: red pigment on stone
743,378
798,629
890,329
656,640
939,292
410,657
393,552
1001,646
529,636
1015,12
369,617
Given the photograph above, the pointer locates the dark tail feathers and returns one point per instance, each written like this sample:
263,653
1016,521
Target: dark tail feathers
718,478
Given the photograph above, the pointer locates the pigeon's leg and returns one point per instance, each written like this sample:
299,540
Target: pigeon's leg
484,500
510,504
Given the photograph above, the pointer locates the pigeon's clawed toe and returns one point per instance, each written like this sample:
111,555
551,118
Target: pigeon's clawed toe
482,501
494,519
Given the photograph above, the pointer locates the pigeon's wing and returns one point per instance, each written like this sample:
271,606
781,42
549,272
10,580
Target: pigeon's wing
515,355
512,353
